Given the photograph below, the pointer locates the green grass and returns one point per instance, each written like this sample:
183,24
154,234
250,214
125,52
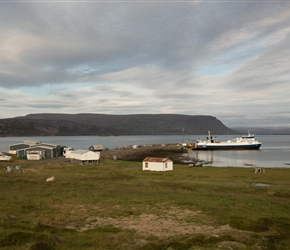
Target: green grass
109,207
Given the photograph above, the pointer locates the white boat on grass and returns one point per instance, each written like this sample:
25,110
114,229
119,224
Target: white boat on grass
247,142
4,157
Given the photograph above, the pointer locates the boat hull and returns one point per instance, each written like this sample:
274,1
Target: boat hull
217,146
5,158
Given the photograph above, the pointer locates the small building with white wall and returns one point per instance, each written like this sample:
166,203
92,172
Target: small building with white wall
83,157
35,150
49,150
35,155
157,164
23,145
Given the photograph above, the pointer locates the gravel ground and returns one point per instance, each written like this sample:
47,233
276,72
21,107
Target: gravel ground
174,152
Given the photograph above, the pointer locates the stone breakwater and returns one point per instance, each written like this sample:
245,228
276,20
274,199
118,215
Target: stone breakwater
172,151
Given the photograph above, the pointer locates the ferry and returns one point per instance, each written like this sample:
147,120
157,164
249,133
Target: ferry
247,142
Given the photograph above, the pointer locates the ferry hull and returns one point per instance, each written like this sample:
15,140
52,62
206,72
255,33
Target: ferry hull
216,146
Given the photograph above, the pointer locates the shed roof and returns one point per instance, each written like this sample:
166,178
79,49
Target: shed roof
81,151
39,146
17,144
48,144
156,159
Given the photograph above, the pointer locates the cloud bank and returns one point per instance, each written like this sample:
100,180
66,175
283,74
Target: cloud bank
226,59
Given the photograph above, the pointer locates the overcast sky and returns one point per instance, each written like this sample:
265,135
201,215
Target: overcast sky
228,59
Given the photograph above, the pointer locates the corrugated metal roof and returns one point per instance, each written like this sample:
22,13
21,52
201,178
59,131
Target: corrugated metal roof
17,144
80,151
47,144
40,146
156,159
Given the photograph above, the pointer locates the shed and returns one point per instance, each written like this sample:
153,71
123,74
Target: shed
24,144
57,149
84,157
48,151
157,164
18,146
66,151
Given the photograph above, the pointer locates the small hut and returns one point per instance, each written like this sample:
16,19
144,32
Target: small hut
84,157
157,164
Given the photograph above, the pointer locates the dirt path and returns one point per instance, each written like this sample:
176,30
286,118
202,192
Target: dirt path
171,223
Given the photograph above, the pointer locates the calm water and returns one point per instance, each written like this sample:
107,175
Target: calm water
274,152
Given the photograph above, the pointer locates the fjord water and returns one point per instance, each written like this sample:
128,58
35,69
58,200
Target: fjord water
274,152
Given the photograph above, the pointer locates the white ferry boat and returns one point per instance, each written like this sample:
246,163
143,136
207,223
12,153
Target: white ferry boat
247,142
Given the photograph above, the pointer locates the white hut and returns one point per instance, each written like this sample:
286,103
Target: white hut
66,151
84,157
157,164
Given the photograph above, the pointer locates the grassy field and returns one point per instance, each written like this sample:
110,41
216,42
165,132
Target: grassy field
116,205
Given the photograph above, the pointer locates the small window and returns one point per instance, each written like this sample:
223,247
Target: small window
146,164
165,164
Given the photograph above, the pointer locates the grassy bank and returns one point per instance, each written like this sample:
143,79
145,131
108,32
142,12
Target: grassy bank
116,205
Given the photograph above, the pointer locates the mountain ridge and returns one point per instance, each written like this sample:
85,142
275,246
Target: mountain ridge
56,124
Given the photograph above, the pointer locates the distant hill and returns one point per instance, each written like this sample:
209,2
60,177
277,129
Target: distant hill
102,124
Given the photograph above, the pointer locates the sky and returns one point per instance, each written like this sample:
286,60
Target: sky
227,59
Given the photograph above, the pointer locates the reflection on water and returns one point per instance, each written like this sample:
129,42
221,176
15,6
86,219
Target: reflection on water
242,158
226,158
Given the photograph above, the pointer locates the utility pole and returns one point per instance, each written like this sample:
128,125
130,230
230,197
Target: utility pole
183,135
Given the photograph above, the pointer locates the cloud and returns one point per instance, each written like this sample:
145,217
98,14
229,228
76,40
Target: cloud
226,59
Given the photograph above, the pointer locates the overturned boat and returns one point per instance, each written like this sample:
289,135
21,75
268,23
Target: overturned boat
4,157
247,142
